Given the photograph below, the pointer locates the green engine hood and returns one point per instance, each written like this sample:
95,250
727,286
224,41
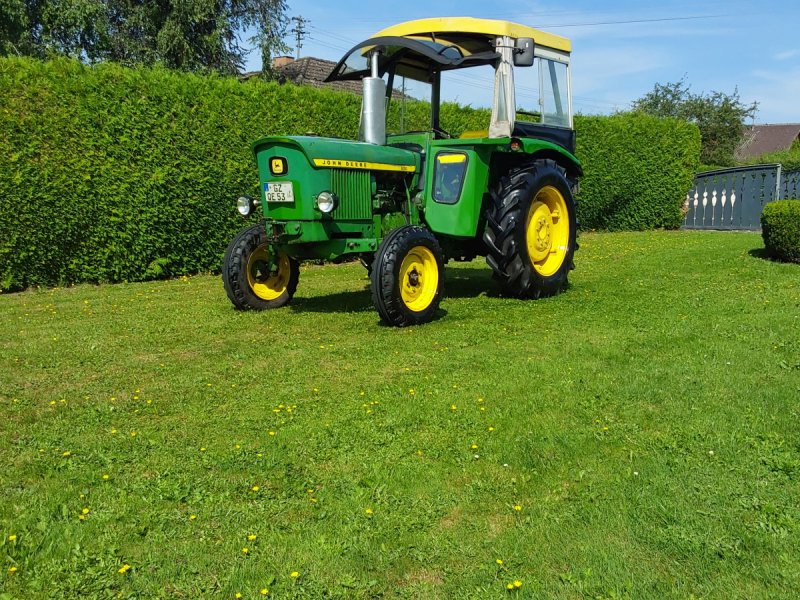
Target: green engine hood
335,152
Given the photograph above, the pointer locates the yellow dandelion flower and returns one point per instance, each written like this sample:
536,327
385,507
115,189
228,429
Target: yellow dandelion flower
272,433
85,511
133,434
237,594
517,507
368,511
12,537
509,586
474,446
113,431
67,453
52,402
81,517
251,537
149,401
294,574
136,397
203,449
517,583
192,517
245,550
313,500
499,561
491,428
237,446
124,569
105,476
12,570
264,591
453,407
255,488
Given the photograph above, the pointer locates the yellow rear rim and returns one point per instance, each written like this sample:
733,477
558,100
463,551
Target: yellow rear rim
547,231
419,278
267,282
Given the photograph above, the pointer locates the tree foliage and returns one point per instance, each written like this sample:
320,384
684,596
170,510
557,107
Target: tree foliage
719,116
190,35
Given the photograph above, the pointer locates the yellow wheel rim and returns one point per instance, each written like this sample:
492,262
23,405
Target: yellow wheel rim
547,231
419,278
266,282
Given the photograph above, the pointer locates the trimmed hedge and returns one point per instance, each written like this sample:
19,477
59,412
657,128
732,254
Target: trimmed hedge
780,228
116,174
637,170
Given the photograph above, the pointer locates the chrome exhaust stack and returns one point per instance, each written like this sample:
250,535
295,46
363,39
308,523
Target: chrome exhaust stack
372,128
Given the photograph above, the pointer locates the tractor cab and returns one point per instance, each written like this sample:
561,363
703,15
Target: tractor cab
405,202
423,50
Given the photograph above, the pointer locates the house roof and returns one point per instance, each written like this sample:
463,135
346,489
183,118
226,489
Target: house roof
312,71
761,139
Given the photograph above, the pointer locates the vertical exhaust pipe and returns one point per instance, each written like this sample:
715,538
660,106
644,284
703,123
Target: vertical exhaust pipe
372,128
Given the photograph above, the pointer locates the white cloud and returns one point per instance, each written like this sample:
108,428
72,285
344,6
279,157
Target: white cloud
786,55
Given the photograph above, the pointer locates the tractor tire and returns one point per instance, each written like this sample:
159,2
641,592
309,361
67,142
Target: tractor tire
250,282
408,277
530,230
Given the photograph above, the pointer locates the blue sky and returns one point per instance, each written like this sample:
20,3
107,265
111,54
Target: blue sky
717,45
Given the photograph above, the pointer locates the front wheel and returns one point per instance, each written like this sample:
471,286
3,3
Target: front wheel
407,277
254,276
530,230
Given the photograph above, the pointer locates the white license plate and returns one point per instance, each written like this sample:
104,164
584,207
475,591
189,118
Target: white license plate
278,192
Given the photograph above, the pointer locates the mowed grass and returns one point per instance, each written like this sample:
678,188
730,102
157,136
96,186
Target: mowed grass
635,437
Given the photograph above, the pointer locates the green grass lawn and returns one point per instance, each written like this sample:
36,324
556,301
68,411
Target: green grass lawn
637,436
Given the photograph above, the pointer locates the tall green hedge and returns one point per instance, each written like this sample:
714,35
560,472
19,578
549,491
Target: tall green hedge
637,170
115,174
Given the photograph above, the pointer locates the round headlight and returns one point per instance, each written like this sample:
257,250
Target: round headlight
244,205
326,202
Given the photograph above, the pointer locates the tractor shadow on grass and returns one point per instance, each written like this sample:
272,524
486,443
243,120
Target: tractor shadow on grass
470,282
460,282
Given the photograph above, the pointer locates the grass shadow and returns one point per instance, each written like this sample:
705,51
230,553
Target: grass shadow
341,302
470,282
760,253
460,282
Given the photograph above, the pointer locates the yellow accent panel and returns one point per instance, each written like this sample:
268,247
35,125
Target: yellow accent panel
448,159
419,278
483,133
547,231
488,27
360,164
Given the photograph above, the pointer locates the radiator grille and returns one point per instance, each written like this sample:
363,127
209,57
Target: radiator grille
353,190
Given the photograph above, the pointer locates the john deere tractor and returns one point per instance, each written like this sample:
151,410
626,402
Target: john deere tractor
406,203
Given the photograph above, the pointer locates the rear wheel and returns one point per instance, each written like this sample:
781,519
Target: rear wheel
530,230
255,277
407,277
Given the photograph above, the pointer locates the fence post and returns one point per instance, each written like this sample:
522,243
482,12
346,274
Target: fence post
778,182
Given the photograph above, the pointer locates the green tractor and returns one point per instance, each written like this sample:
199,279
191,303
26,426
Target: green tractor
407,203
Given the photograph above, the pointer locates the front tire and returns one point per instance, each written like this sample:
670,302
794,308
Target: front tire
253,279
530,230
407,277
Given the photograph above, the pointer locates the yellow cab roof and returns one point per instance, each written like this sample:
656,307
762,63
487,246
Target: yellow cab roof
460,29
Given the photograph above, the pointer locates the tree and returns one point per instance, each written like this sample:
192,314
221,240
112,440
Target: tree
719,116
191,35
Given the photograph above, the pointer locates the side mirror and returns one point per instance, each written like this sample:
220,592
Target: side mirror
523,52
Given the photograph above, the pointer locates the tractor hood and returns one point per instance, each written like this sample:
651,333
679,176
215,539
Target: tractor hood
347,154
